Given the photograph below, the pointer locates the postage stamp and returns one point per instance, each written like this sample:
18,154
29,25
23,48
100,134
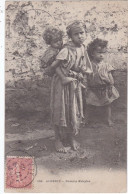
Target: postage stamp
19,172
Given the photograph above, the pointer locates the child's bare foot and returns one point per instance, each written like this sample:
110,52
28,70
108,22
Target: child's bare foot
67,80
60,148
110,123
75,144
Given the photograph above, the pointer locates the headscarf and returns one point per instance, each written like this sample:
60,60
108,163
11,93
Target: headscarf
74,26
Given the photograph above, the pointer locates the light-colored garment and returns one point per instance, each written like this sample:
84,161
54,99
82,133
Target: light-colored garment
75,58
104,70
101,89
66,100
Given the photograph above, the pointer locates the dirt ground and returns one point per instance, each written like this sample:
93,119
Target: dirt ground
101,146
27,128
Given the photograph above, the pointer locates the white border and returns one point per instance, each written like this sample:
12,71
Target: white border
2,100
2,90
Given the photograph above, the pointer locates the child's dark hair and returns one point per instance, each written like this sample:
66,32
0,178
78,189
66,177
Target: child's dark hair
94,45
52,33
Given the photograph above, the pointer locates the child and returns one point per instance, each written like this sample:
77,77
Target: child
53,37
101,90
72,66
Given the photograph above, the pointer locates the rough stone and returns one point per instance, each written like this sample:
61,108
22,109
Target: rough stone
25,23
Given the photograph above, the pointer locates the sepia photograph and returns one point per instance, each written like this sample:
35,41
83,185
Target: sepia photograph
66,96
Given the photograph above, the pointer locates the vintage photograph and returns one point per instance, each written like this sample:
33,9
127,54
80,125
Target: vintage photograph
66,96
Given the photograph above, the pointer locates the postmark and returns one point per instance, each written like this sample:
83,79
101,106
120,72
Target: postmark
20,171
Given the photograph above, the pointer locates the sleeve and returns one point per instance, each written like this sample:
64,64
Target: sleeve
105,72
48,57
63,55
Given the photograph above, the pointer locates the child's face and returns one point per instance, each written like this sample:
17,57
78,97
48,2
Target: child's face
78,36
98,55
57,44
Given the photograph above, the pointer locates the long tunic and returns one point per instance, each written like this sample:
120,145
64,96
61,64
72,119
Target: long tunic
101,89
66,100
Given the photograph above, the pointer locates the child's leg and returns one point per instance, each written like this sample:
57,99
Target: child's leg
85,108
58,141
109,115
86,114
71,139
75,145
58,144
64,136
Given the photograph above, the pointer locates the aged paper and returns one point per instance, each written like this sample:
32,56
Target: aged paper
33,162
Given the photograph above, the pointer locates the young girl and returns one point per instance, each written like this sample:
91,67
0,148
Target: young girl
72,66
101,90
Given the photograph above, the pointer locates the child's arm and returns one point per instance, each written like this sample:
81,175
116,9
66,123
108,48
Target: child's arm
50,70
55,63
65,80
59,73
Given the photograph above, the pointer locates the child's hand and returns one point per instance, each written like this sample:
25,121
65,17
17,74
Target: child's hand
67,80
80,76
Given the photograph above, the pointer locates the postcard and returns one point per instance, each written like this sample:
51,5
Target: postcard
66,96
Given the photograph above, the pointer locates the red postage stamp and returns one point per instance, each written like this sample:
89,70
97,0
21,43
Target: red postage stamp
19,172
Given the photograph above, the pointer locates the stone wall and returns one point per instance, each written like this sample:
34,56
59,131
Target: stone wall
25,23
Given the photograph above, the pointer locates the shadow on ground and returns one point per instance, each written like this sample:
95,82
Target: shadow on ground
101,146
27,128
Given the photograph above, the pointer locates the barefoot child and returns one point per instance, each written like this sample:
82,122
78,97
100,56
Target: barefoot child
53,37
72,66
101,90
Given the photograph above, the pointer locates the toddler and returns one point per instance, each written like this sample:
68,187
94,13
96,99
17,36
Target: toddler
101,90
53,37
